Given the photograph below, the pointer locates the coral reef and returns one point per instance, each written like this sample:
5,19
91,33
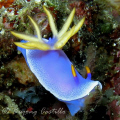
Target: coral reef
96,45
7,49
114,3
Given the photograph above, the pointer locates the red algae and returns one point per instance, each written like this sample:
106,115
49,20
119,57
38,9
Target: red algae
114,110
6,3
82,10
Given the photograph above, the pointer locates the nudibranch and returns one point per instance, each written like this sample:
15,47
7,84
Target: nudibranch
52,67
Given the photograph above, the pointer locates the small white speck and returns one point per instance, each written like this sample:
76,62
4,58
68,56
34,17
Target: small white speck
5,11
117,71
114,44
11,13
78,39
2,32
37,1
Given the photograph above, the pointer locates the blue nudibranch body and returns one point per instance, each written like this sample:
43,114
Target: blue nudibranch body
52,67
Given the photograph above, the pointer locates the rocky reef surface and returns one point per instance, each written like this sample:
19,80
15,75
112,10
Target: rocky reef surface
96,45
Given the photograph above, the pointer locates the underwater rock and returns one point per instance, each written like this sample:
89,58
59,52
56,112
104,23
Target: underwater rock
9,109
114,3
28,95
114,110
7,49
116,80
82,10
7,77
22,72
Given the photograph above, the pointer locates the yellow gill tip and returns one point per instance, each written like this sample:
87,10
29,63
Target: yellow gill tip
73,71
87,69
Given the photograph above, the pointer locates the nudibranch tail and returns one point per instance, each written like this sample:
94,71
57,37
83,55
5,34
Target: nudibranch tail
88,73
75,105
66,24
73,71
51,22
36,28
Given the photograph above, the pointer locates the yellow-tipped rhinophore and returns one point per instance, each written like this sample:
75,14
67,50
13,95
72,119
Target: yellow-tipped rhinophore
37,45
33,45
36,28
87,69
73,71
24,36
66,24
78,26
62,37
23,46
63,40
51,22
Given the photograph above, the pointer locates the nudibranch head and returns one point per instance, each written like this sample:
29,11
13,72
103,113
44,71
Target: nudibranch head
59,38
